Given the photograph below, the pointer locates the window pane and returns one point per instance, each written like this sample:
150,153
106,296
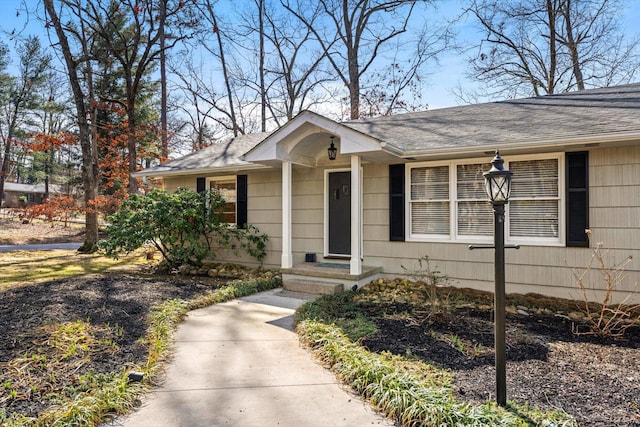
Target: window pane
534,178
475,218
227,190
471,181
430,218
430,183
533,218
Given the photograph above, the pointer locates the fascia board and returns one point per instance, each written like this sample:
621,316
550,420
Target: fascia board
203,171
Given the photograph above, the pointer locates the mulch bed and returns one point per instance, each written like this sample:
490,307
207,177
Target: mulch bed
115,306
597,380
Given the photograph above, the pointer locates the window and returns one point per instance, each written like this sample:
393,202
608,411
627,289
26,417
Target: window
474,214
226,188
534,205
430,200
448,201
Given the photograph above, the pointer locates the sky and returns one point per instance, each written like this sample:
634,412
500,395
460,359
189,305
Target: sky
441,82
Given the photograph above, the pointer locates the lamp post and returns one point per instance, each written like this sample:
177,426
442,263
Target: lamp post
498,186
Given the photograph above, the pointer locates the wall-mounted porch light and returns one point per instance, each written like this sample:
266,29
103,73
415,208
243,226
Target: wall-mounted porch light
332,150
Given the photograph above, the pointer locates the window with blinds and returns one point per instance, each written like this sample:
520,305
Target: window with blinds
430,213
450,201
535,197
474,213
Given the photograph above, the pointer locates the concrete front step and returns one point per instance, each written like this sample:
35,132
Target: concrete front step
326,278
312,286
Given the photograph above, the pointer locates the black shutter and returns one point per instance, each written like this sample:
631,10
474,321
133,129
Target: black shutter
241,201
396,202
577,170
201,184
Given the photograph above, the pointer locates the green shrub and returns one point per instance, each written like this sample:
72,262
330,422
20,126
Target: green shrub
186,227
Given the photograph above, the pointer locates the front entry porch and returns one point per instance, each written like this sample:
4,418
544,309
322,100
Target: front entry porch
324,278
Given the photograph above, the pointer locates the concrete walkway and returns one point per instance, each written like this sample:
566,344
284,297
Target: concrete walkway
240,364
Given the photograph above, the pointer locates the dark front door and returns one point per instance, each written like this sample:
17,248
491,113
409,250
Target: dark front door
339,213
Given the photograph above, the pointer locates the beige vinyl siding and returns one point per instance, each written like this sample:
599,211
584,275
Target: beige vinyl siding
171,184
614,179
614,198
375,205
264,210
307,216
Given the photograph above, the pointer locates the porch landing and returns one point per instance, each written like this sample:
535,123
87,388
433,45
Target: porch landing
326,277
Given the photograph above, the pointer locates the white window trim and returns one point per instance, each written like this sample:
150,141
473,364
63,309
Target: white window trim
224,178
453,201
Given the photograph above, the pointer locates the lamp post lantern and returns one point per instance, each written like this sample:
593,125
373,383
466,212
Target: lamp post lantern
498,186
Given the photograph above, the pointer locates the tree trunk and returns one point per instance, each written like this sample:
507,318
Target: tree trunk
4,170
552,13
572,45
133,158
164,148
89,163
263,91
227,82
354,88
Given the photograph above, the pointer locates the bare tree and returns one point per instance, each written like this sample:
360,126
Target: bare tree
21,97
211,24
131,31
353,34
76,63
550,46
294,70
164,151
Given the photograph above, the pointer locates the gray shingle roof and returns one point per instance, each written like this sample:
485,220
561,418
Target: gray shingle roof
545,119
551,119
226,153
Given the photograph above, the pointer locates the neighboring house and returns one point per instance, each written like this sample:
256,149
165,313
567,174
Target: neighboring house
411,185
18,195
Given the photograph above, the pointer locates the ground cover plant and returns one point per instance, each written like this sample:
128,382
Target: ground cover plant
70,342
387,343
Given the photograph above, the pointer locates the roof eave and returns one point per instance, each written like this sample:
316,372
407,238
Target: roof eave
203,171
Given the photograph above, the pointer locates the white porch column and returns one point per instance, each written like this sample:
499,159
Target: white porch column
355,266
287,256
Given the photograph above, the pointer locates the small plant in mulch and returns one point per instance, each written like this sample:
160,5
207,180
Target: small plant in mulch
605,318
431,283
